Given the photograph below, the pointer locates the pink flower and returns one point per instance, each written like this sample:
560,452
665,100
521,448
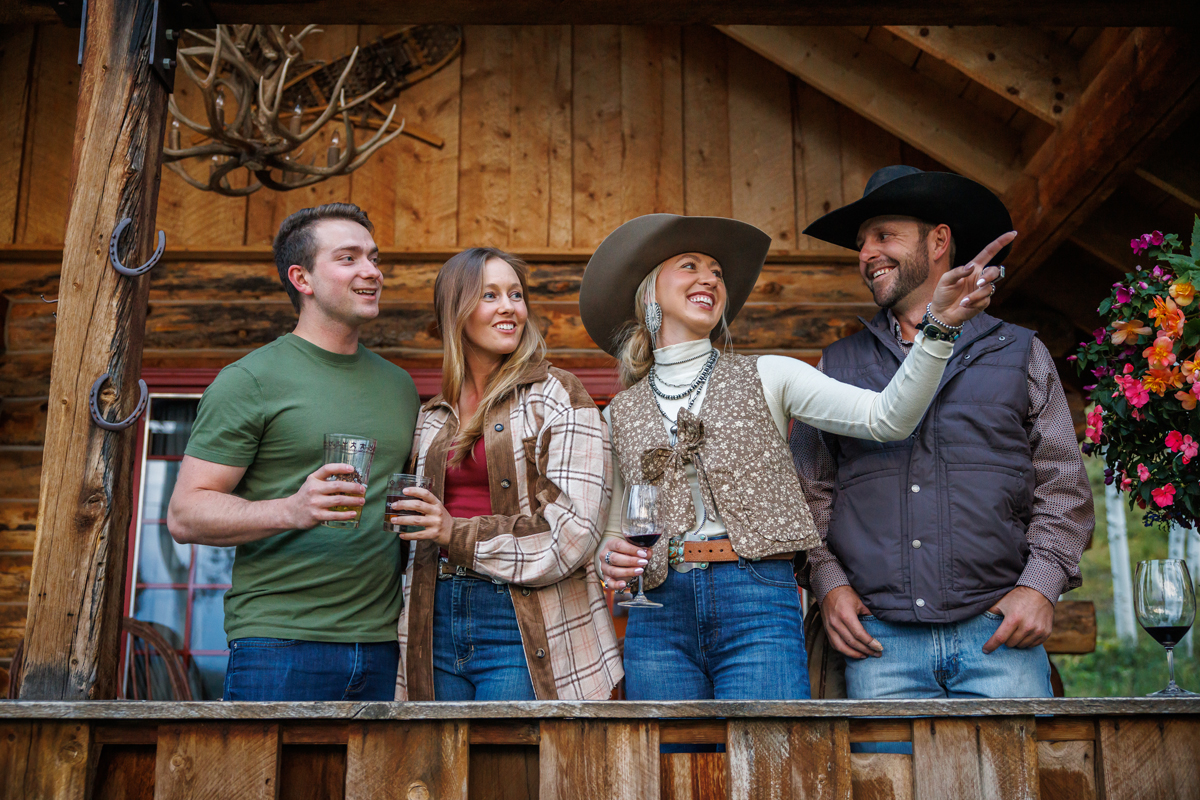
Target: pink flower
1100,334
1190,448
1135,393
1155,238
1175,441
1095,423
1126,482
1163,497
1138,246
1143,473
1124,293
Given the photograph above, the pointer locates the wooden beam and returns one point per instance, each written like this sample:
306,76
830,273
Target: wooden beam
905,103
1026,66
1149,87
84,512
1175,166
675,12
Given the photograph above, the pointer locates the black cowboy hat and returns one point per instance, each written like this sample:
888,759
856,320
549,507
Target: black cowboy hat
632,251
975,215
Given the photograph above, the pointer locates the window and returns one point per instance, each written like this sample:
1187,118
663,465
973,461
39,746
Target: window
178,588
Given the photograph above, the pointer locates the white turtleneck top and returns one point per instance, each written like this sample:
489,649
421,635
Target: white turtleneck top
797,390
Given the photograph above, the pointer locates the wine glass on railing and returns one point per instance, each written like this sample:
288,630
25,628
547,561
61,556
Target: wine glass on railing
1165,601
639,523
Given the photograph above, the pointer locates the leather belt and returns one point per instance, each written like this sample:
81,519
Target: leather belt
721,550
448,570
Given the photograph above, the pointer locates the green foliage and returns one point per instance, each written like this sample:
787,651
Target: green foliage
1116,669
1147,381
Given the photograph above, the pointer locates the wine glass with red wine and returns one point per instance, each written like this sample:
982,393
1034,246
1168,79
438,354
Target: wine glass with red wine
1165,602
639,523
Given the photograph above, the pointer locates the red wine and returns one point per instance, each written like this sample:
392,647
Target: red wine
1167,635
644,540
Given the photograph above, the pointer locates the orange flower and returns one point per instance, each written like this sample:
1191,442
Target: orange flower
1187,400
1191,369
1183,293
1161,354
1167,316
1159,380
1129,331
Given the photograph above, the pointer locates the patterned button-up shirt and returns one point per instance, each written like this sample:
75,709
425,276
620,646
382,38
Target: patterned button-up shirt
1062,500
549,473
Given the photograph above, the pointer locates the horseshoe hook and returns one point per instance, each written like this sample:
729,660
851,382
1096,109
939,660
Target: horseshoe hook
116,260
94,406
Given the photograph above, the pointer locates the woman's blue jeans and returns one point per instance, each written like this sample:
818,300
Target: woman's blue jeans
731,631
477,649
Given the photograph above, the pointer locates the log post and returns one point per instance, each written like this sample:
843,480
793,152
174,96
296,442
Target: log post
76,592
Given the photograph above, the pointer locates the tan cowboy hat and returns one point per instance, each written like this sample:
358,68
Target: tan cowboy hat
632,251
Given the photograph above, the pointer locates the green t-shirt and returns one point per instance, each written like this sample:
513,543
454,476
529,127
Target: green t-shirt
269,412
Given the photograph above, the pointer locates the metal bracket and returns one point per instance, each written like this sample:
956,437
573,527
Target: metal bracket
116,259
170,18
49,302
94,406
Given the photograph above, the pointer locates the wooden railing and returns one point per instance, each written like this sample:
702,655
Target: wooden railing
961,749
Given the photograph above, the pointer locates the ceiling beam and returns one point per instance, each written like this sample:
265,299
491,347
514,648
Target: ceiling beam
903,102
1026,66
1175,166
676,12
1149,86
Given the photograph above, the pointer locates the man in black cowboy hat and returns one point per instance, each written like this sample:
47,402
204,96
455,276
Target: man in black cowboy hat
945,553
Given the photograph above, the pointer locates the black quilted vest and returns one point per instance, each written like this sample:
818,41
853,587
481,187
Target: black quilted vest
932,528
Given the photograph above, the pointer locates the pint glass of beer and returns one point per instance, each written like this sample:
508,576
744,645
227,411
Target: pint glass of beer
358,452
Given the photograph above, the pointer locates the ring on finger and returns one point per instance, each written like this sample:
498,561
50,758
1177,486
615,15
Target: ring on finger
607,556
993,291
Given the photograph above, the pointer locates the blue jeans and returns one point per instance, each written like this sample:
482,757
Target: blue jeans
732,631
926,661
478,653
291,669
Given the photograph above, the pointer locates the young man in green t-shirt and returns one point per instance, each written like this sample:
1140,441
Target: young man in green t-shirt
312,612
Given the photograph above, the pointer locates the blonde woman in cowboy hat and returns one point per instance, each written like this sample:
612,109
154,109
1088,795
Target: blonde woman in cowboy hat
709,429
502,600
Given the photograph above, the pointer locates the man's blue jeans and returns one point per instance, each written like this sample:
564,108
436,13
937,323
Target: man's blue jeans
733,631
933,661
292,669
478,653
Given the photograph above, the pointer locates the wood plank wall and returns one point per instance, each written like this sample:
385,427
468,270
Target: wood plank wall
553,137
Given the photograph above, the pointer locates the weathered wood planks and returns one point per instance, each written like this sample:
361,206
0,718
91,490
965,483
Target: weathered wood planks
197,762
45,759
404,760
960,759
584,758
1149,758
781,760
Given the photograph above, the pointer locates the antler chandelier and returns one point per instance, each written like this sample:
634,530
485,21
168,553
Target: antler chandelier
273,115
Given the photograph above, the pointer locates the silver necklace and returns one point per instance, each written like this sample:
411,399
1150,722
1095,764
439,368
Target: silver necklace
684,361
705,371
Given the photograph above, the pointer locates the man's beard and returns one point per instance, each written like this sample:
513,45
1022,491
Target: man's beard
910,274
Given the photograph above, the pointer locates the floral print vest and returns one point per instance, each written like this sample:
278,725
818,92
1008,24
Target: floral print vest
745,468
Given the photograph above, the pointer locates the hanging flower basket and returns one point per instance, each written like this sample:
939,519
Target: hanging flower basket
1145,363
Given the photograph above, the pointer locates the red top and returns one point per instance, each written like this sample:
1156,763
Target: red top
466,492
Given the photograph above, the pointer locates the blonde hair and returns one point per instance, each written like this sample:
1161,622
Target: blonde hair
635,343
456,294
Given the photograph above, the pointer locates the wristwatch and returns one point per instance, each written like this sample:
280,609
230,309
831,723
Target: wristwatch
936,332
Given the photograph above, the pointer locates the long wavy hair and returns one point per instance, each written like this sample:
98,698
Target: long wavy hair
456,294
635,343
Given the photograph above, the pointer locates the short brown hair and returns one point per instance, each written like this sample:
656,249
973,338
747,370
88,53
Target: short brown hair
925,228
296,244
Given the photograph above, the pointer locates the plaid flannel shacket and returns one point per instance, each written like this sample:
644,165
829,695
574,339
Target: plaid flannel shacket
549,460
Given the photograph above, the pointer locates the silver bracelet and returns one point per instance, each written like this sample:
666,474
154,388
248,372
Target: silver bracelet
929,313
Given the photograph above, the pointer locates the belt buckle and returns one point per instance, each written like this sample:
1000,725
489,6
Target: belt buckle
460,572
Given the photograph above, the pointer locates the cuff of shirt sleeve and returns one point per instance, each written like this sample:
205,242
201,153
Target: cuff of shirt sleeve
1045,576
462,543
825,577
937,348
